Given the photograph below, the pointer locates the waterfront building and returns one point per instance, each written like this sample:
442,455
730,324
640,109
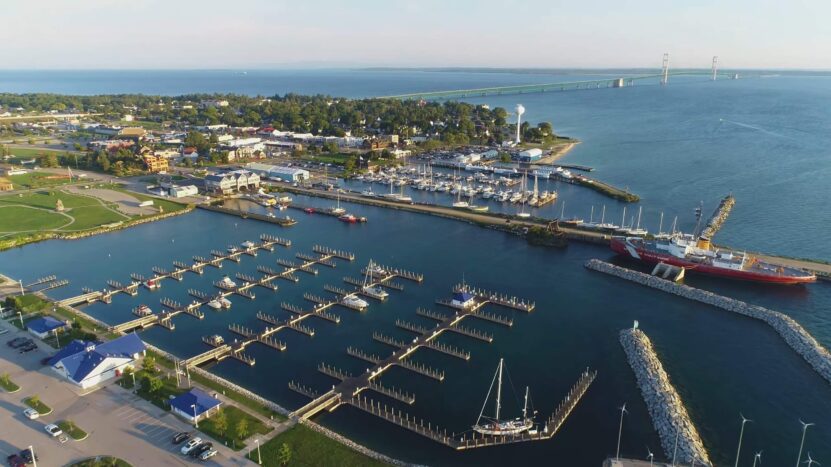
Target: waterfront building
273,172
230,182
182,191
530,155
44,326
87,364
195,405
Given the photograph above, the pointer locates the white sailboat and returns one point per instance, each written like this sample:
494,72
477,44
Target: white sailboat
374,291
522,212
493,425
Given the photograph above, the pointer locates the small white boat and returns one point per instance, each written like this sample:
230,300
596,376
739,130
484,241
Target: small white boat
248,244
227,282
152,284
353,301
215,304
142,310
225,303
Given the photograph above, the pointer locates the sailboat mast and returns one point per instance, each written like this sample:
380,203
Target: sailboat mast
525,407
499,391
661,224
640,209
603,215
591,218
623,218
562,210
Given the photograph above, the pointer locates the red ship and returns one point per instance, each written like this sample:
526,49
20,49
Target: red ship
697,255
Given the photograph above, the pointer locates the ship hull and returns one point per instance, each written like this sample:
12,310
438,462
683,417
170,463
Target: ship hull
652,257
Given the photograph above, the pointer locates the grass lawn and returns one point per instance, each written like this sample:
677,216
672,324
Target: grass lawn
34,152
90,217
310,448
38,180
233,415
20,218
71,429
29,303
38,405
167,205
159,398
7,384
230,394
102,461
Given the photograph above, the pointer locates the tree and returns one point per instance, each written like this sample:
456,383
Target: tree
284,455
241,429
220,421
545,128
34,399
48,160
149,364
103,161
151,383
5,378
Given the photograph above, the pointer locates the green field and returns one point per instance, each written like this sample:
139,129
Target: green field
30,152
233,415
37,180
30,217
310,448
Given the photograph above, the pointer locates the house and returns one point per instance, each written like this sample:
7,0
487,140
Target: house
87,364
530,155
6,184
194,405
43,326
213,103
133,132
155,163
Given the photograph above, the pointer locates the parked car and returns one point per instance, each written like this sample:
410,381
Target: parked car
26,454
207,454
16,461
31,413
27,348
179,438
200,449
53,430
3,331
17,342
191,444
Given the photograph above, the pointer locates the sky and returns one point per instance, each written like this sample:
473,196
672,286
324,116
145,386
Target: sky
210,34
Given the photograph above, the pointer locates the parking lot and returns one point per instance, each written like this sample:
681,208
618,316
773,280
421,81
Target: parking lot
118,422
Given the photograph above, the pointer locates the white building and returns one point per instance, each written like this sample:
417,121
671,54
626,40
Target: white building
183,191
230,182
87,364
275,172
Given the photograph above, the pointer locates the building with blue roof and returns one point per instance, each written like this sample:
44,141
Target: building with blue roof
41,327
87,364
195,405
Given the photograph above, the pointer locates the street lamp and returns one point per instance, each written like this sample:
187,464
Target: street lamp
650,456
741,434
34,461
802,443
20,315
195,420
260,459
620,430
757,457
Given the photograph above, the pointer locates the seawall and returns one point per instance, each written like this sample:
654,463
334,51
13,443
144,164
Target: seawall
669,416
791,332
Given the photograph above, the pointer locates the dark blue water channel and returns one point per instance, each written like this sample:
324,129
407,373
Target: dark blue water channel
721,364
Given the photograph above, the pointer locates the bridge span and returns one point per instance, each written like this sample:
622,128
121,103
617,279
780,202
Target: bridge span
615,82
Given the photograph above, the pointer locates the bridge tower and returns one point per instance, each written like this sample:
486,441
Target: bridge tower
665,69
715,67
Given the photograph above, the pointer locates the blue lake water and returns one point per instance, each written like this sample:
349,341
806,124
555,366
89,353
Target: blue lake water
765,140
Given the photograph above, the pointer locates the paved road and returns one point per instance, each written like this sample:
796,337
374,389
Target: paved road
118,422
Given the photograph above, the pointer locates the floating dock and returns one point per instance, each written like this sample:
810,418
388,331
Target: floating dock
350,387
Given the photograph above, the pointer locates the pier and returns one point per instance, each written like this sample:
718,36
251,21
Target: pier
274,325
266,243
350,387
281,221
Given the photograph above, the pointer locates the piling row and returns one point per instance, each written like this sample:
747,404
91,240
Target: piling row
421,369
333,372
360,354
791,332
411,327
679,438
496,298
391,341
306,391
432,314
326,251
393,393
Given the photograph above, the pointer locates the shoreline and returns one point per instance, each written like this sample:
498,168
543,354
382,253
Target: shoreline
561,152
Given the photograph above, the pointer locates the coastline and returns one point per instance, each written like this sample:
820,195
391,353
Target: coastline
561,152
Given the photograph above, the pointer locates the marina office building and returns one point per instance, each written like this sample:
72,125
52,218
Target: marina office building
274,172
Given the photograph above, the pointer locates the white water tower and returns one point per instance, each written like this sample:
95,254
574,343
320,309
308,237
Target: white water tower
519,111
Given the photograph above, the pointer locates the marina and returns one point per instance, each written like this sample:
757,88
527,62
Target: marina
467,301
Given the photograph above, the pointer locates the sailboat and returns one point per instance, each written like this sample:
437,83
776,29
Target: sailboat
522,212
338,210
459,203
374,291
493,425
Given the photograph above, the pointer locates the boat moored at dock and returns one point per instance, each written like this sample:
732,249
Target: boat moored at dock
699,256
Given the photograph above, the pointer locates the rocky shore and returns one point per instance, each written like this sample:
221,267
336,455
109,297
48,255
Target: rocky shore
719,216
791,332
679,438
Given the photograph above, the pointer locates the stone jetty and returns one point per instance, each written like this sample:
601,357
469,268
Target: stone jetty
719,216
679,438
791,332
